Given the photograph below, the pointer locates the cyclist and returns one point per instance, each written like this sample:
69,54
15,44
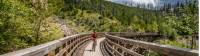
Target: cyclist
93,38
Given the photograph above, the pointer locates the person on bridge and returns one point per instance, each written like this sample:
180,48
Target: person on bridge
93,38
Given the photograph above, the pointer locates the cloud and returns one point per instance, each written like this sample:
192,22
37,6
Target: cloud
154,3
146,2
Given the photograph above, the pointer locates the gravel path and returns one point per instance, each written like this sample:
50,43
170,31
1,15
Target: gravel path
97,52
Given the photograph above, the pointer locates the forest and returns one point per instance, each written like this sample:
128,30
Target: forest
27,23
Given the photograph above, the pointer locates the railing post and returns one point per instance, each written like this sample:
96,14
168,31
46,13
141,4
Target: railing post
123,53
51,53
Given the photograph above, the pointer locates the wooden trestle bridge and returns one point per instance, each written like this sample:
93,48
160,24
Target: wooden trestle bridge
108,44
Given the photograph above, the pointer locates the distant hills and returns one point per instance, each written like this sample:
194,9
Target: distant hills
151,4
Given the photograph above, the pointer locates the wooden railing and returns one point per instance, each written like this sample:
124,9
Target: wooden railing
148,37
62,47
120,46
115,44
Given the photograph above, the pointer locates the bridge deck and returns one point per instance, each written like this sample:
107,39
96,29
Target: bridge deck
97,52
80,45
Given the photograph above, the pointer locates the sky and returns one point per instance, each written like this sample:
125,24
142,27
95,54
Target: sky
154,3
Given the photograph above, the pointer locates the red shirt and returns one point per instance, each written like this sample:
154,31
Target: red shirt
94,36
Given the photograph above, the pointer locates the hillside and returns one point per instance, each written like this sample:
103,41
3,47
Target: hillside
139,19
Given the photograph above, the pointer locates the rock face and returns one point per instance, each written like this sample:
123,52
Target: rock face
67,30
64,27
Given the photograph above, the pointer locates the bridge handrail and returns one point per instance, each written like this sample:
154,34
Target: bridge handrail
149,37
133,34
43,49
169,50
